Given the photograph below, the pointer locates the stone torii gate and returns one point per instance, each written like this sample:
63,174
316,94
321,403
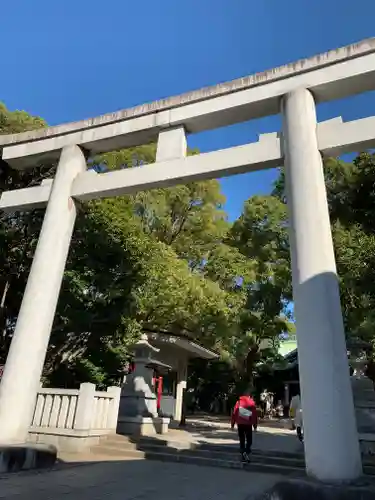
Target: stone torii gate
331,441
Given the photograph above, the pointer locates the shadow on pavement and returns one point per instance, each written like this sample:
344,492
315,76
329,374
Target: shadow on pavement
128,479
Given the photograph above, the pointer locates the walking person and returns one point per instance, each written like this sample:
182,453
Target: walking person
263,402
245,416
295,414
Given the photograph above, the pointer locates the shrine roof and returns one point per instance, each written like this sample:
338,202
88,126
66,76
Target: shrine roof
182,342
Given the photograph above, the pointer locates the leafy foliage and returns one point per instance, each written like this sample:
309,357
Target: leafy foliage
351,200
351,197
135,262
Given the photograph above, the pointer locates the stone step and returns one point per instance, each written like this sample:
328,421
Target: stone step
209,453
222,448
124,447
197,459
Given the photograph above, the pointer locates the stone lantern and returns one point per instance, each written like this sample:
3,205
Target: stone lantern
138,405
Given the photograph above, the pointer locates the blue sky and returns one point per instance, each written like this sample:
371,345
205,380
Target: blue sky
69,60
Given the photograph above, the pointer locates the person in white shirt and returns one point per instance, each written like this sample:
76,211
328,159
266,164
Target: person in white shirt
295,414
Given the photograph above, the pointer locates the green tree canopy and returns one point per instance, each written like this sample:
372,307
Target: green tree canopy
131,266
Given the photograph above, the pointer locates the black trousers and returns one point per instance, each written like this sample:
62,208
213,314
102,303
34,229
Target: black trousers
245,434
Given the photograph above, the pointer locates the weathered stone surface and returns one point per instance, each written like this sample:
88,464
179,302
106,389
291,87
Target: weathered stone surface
333,75
135,479
302,66
27,456
297,490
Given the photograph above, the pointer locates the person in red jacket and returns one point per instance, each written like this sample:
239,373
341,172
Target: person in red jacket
245,416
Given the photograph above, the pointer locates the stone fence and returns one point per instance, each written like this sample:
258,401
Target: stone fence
74,419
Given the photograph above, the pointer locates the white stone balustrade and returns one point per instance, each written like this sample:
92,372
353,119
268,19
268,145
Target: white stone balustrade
55,408
74,419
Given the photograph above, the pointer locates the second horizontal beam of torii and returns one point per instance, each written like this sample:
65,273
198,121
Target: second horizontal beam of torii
335,138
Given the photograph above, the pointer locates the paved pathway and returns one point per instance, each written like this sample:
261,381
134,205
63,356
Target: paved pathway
267,438
118,478
136,480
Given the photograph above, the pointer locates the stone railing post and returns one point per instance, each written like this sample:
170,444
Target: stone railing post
85,407
113,407
180,388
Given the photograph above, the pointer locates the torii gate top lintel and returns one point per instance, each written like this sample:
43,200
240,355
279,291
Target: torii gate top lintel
334,74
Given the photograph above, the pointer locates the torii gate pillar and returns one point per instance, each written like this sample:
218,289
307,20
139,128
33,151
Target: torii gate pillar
28,349
331,440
